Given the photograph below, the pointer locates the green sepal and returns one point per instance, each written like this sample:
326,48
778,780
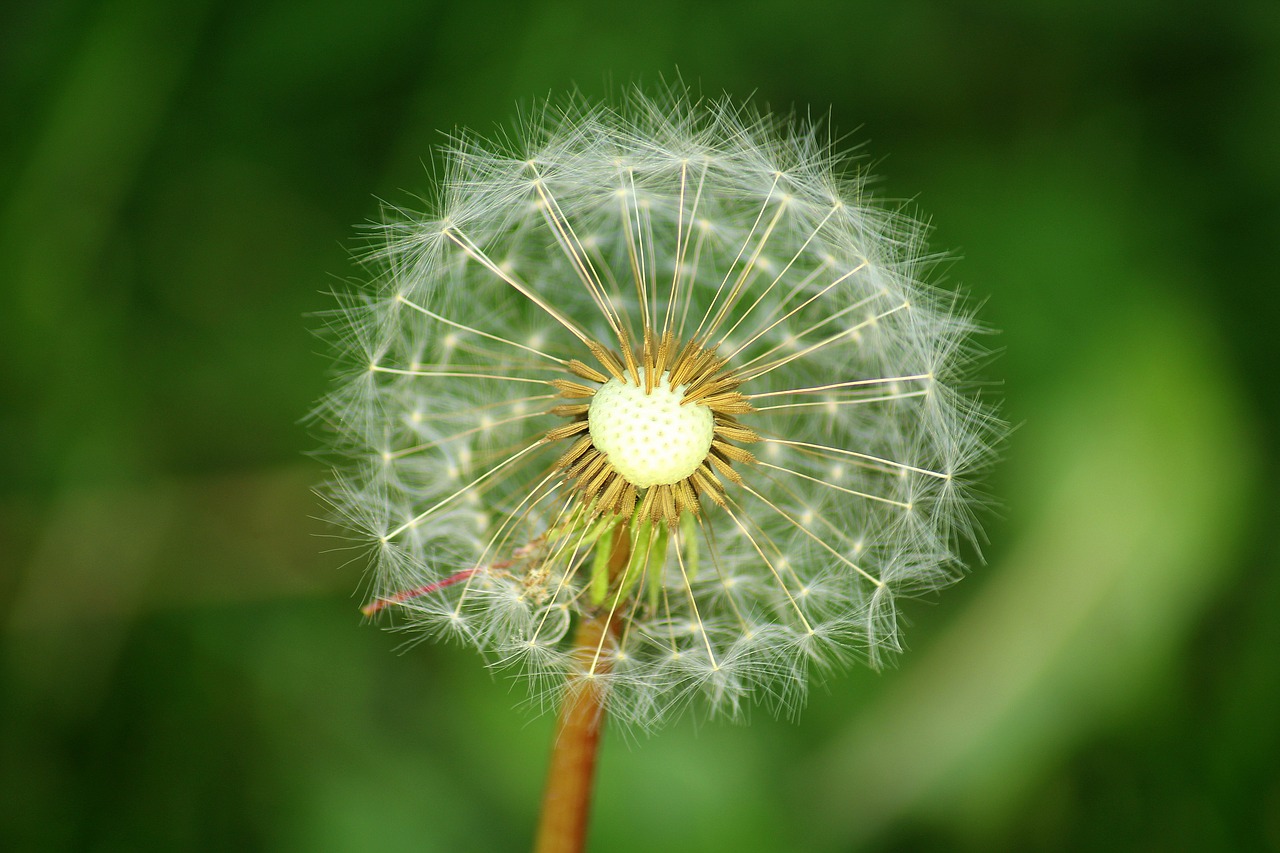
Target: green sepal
600,565
639,553
689,538
657,563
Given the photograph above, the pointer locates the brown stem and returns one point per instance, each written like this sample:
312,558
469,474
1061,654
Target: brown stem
566,803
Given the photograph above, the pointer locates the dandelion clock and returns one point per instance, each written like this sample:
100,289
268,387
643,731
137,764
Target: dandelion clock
654,407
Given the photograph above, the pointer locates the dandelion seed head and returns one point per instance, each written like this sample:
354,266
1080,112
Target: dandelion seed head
663,363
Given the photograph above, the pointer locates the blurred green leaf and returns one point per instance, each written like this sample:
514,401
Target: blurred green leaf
1135,484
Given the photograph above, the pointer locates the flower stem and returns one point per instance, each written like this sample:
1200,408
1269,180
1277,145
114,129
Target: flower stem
566,804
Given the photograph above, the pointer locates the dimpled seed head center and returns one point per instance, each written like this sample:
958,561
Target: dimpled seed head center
649,439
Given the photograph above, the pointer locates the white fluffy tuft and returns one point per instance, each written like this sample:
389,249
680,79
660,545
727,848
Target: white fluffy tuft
668,213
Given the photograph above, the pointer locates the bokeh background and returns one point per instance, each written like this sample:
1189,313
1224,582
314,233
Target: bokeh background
182,663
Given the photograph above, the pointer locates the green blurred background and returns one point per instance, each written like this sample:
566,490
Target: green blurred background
182,666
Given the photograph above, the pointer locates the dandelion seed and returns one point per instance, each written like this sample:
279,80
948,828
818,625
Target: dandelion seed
663,369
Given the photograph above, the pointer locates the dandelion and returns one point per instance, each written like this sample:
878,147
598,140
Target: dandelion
655,403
